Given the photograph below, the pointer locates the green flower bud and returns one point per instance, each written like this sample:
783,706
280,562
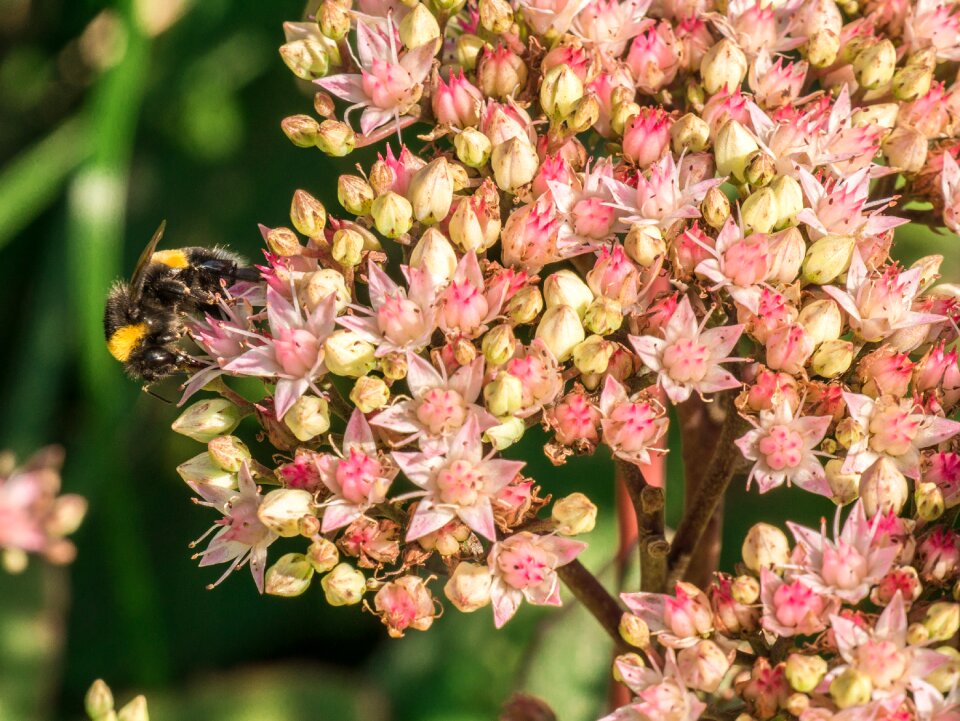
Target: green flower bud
99,701
875,64
561,331
942,621
431,192
496,16
392,214
715,208
760,169
468,50
306,58
592,356
302,130
560,91
228,452
333,19
370,393
498,345
355,194
525,305
828,258
207,419
851,688
347,354
929,500
335,138
760,212
202,469
645,244
733,147
323,555
136,710
567,288
574,514
473,147
307,214
789,197
419,27
344,585
821,48
634,630
308,417
515,164
691,133
282,509
603,317
289,576
723,66
804,673
506,434
503,395
347,247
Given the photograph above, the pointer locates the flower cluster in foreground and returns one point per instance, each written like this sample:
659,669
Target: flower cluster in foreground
583,213
34,518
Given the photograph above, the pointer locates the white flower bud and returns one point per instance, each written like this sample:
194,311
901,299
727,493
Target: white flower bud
207,419
431,192
723,66
289,576
574,514
347,354
281,510
344,585
434,254
473,147
567,288
308,417
765,546
469,587
822,320
883,488
733,146
515,163
561,331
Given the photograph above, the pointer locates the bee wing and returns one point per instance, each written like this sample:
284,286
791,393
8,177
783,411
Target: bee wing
145,257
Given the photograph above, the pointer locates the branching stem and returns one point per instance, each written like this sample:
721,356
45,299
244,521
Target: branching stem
594,597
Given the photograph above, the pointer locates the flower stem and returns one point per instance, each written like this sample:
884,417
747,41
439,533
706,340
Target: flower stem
649,505
711,489
595,598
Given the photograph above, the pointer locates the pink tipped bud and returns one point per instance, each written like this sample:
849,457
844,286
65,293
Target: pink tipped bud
654,58
457,102
500,73
647,136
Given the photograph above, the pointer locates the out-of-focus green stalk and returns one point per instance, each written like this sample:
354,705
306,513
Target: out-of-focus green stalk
101,456
34,179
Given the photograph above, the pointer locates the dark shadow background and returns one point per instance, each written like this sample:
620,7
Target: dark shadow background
114,116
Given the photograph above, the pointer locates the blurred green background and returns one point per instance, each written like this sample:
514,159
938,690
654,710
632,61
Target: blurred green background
114,116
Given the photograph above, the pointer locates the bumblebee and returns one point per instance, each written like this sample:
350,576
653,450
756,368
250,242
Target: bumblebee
141,321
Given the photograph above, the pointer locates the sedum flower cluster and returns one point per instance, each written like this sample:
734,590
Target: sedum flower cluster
582,214
34,517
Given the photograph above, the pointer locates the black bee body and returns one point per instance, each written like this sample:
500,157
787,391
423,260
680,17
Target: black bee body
141,321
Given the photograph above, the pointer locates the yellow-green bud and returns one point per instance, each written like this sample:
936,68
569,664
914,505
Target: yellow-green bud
228,452
760,212
344,585
912,82
942,621
307,214
392,214
496,16
99,701
875,64
347,354
202,469
723,66
765,546
498,345
917,634
515,164
306,58
347,247
468,50
585,115
434,254
431,192
302,130
822,320
906,149
561,331
882,114
284,242
506,434
804,673
733,147
336,139
323,555
644,243
603,317
844,486
691,133
929,500
394,366
574,514
503,395
621,115
883,488
945,677
715,208
567,288
626,659
929,270
289,576
789,197
281,510
333,19
851,688
473,147
525,305
308,417
828,258
821,48
760,169
745,590
592,356
134,710
355,194
205,420
419,27
315,287
634,630
369,393
560,91
323,104
832,358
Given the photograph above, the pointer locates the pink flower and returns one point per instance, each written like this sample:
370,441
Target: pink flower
756,26
439,406
388,85
575,419
879,304
679,620
358,477
891,428
457,102
609,24
950,187
776,83
631,428
399,319
882,653
792,607
466,306
584,207
654,58
660,695
293,353
530,236
524,566
405,603
615,276
737,264
838,206
659,198
461,484
647,136
934,23
241,537
944,470
849,566
782,446
688,358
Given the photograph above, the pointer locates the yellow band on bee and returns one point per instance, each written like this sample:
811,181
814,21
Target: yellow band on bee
170,258
125,339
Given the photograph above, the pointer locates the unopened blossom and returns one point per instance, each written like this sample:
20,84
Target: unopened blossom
404,604
465,307
688,357
460,484
439,405
950,188
293,354
240,538
848,566
679,620
388,85
358,477
782,447
524,566
891,428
